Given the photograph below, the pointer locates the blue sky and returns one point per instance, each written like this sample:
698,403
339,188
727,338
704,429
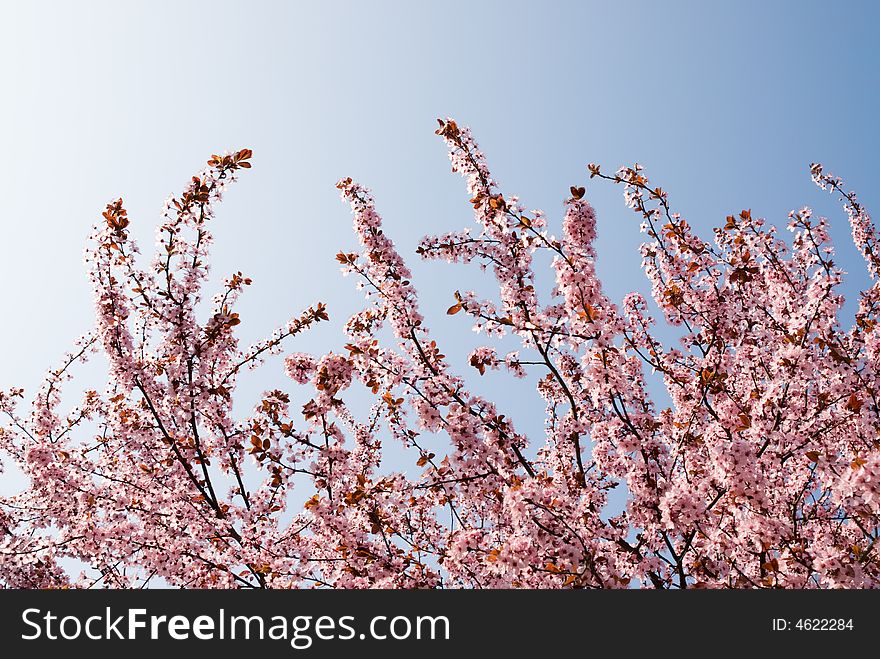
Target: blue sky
725,104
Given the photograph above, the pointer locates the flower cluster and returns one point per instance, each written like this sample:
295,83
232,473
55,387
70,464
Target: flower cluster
761,471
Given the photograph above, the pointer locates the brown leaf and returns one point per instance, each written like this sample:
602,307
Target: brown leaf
854,404
589,313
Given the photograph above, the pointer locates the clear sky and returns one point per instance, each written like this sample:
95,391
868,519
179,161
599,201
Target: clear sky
725,103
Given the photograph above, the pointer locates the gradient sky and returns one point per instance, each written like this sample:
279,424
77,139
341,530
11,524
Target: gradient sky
725,104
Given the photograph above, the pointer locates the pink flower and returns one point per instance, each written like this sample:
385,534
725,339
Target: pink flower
757,467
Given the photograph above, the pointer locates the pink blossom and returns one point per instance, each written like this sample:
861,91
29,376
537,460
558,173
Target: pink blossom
759,468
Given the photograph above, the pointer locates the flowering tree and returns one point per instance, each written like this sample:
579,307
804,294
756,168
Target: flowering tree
764,472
